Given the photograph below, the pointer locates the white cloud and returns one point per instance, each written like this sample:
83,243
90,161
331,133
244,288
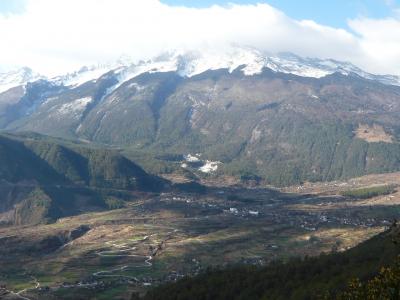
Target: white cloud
379,41
60,35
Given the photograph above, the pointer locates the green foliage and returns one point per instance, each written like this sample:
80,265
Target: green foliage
34,209
19,163
384,286
264,125
47,179
322,277
50,162
370,192
65,161
299,150
114,203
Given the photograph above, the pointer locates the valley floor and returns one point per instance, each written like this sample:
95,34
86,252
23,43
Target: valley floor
163,237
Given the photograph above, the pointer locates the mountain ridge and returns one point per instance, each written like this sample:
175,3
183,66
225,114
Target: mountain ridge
278,126
188,63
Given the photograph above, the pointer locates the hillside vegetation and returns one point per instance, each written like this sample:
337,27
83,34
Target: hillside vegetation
281,128
323,277
370,192
42,179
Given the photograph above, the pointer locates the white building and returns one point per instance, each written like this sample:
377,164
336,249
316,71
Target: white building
234,210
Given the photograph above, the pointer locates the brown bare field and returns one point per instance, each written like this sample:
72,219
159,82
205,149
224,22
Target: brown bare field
373,134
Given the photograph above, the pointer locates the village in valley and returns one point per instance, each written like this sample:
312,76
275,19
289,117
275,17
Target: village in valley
160,238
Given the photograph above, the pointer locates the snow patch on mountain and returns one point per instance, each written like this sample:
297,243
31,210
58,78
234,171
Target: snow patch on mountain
75,107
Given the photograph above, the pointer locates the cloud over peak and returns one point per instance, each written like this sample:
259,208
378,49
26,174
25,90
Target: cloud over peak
54,36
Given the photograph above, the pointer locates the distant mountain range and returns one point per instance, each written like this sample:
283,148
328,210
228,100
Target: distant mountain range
279,118
191,63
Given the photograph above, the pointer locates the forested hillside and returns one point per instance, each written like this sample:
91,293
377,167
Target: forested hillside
323,277
43,179
282,128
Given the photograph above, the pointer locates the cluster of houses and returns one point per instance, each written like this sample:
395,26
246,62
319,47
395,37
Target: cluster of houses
242,212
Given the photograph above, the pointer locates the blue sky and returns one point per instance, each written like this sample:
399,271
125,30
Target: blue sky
11,6
327,12
332,13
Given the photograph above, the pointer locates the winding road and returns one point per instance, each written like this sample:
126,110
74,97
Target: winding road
18,294
121,250
125,250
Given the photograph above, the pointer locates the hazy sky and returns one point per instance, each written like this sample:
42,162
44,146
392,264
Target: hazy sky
53,36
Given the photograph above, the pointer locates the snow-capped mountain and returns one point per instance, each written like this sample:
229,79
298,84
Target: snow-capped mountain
315,67
251,61
234,118
17,77
190,63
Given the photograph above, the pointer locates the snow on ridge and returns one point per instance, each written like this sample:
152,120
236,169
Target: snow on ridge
93,72
188,63
251,61
317,68
196,62
16,78
279,64
82,76
191,63
131,71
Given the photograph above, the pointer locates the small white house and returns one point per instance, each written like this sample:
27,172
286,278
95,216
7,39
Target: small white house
234,210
